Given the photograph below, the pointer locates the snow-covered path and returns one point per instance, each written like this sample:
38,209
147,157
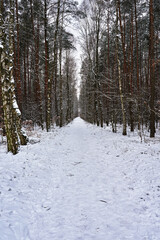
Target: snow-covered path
81,183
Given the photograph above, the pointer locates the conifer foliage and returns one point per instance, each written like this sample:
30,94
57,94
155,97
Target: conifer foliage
120,71
35,84
120,66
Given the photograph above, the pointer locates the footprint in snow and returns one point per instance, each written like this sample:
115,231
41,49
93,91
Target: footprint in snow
76,163
70,175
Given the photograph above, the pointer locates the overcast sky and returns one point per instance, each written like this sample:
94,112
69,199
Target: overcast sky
77,53
79,1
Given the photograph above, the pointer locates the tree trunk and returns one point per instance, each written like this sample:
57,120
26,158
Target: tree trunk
119,77
152,71
38,97
130,71
60,72
11,111
137,67
18,69
46,77
50,83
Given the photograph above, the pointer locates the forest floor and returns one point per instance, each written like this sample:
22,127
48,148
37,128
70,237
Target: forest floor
81,182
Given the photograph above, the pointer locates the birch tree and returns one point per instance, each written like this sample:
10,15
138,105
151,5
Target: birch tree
12,114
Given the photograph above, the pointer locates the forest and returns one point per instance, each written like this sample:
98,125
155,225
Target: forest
120,65
79,119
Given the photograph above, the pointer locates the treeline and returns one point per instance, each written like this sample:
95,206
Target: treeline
37,67
121,63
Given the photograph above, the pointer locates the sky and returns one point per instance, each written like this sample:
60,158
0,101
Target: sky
74,29
79,1
77,54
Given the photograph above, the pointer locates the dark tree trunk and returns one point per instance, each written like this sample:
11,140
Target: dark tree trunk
152,71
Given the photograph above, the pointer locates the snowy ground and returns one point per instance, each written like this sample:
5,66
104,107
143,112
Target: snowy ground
81,183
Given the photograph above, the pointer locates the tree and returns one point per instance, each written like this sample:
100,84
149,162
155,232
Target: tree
119,69
12,115
152,70
128,51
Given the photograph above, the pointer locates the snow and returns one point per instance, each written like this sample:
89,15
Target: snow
15,106
1,46
81,182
